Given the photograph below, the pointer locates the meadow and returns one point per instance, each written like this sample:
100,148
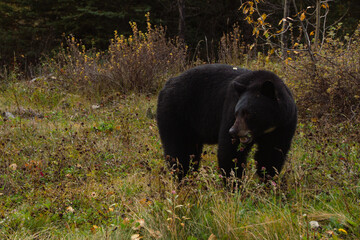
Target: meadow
77,169
82,158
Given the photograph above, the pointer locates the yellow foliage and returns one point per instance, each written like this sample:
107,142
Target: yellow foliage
325,5
302,16
263,16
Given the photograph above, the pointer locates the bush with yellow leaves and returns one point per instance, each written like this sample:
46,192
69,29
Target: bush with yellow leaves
138,63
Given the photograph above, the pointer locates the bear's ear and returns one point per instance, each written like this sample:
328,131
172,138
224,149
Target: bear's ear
240,88
268,90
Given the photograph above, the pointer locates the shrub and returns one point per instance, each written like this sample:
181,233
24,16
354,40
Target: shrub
330,85
141,61
76,68
138,63
231,48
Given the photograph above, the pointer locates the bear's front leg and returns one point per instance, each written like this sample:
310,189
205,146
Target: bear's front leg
270,160
232,158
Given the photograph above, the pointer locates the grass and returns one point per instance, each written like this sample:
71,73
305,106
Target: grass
79,168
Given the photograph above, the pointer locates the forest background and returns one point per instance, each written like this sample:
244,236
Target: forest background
80,153
29,29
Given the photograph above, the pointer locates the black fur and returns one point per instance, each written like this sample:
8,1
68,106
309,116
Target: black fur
202,104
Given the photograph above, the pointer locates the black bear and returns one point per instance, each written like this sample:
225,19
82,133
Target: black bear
233,107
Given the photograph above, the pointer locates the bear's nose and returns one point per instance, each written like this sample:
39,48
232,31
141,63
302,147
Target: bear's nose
233,132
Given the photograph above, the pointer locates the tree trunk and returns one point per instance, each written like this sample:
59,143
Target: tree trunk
181,6
317,26
285,24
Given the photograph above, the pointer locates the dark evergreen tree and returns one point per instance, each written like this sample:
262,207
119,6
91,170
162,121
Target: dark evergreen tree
30,28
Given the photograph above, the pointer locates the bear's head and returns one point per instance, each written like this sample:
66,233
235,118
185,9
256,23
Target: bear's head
257,110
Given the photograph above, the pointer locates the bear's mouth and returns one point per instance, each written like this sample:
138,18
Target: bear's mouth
243,139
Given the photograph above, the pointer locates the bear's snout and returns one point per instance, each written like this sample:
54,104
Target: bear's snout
233,135
233,132
239,129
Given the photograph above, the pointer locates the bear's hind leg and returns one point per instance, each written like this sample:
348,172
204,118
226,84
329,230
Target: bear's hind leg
182,154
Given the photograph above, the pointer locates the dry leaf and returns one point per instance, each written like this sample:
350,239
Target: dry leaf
155,234
95,106
139,224
94,229
126,220
70,209
135,237
302,16
13,166
341,230
212,237
282,20
314,120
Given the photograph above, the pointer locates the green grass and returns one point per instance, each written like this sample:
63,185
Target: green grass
93,169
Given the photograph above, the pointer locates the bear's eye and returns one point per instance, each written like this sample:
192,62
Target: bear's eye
245,113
